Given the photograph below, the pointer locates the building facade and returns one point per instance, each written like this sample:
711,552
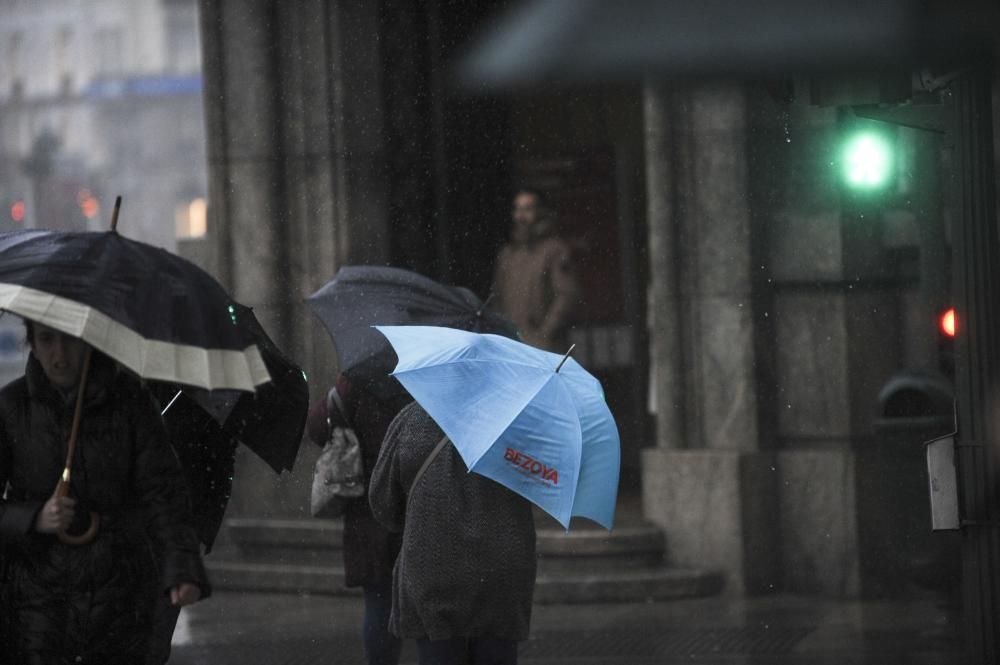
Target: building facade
99,99
743,309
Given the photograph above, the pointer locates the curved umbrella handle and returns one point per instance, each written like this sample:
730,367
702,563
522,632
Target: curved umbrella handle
62,489
87,536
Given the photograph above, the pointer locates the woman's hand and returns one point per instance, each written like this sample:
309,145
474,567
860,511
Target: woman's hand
56,515
185,594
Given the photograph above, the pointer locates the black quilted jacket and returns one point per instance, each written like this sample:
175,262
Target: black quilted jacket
90,603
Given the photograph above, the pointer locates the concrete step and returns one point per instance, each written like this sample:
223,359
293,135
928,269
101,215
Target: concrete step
232,575
624,586
263,532
591,551
287,540
583,565
627,586
319,542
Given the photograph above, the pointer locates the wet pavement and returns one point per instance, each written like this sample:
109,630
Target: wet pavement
281,629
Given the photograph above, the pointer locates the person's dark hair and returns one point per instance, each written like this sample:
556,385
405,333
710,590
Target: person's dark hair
540,196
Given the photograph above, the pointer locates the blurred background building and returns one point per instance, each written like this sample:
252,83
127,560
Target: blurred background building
99,99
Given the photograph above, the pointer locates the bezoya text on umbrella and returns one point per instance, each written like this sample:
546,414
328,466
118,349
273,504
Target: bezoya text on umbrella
532,466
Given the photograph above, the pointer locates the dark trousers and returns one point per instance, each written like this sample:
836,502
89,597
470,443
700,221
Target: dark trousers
381,646
462,651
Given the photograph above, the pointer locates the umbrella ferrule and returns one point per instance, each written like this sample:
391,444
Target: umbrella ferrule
486,303
114,214
565,358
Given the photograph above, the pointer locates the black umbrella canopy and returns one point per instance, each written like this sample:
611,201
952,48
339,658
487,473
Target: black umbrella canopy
546,41
360,297
155,313
270,421
205,427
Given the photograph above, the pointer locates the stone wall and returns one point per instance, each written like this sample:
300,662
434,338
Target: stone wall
796,305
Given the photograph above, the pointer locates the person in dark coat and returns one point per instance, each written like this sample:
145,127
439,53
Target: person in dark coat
368,406
207,453
88,603
464,579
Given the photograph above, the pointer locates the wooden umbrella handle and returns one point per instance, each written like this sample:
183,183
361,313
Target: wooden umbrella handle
77,413
62,487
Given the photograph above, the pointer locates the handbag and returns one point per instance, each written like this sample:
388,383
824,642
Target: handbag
339,475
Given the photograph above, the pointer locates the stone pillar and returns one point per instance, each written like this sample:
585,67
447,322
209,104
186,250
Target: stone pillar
715,499
664,290
297,181
245,158
248,212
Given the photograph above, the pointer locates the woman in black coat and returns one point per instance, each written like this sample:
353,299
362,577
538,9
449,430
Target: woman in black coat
367,406
88,603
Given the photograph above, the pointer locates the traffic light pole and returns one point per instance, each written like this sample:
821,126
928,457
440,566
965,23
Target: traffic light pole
976,280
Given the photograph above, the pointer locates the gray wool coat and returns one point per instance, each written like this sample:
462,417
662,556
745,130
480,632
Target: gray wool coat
467,566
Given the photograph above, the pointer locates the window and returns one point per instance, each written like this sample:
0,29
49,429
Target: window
191,219
183,48
14,53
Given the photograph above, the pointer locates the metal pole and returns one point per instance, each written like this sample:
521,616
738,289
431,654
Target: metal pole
976,275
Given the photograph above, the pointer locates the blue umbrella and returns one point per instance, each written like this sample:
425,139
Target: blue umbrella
531,420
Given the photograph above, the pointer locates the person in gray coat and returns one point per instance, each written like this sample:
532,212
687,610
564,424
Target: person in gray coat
464,579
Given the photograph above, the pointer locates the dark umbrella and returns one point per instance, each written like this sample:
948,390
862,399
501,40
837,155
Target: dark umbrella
154,313
151,311
360,297
269,421
205,427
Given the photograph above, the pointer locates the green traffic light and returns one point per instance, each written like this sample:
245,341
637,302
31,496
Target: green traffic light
867,161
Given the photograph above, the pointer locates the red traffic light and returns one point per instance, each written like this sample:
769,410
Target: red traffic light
949,323
17,211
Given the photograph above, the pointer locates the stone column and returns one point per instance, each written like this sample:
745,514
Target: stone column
248,208
297,181
714,499
333,151
664,290
248,211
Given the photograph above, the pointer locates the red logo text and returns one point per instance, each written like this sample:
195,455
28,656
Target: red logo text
531,466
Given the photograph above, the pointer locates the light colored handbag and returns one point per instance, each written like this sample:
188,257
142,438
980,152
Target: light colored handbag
339,475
